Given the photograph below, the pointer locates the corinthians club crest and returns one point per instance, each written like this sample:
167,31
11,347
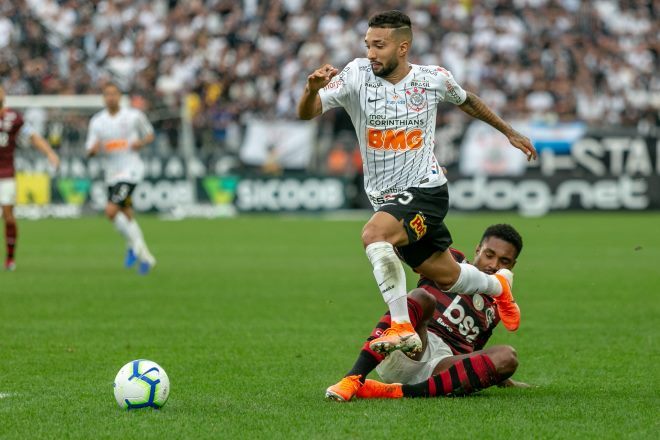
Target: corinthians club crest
416,99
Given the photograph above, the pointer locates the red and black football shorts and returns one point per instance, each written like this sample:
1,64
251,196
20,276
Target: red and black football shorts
120,194
423,211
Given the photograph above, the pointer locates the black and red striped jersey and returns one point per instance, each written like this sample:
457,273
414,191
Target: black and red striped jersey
464,322
11,122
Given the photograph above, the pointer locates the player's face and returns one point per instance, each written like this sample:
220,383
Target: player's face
111,97
494,254
382,51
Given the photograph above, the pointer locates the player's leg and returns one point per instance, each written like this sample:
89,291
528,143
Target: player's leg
466,279
453,376
421,306
121,222
467,374
503,357
120,212
147,260
7,202
11,235
380,235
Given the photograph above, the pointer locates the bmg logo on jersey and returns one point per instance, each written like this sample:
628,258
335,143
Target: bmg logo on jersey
395,139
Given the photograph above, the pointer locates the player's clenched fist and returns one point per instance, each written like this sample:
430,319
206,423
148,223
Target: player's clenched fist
321,77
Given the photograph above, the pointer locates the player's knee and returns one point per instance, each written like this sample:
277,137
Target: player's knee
445,274
445,280
425,300
372,234
10,220
110,212
507,360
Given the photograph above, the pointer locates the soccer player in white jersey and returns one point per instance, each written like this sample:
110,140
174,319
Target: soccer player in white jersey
393,106
119,133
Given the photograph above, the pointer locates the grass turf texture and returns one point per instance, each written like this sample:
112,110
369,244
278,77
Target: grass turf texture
253,318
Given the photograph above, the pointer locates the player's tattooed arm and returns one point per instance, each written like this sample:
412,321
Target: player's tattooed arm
476,108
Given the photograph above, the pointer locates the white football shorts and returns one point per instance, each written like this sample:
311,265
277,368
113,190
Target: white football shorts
7,191
399,368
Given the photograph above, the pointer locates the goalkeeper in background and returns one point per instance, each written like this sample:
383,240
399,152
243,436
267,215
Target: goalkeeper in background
119,134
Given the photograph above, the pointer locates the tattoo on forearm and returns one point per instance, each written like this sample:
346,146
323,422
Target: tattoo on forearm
476,108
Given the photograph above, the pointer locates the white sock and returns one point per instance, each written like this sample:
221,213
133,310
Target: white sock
139,245
472,281
121,223
391,279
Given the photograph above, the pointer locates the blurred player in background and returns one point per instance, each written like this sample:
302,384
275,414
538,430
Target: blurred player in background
454,330
119,133
12,127
393,106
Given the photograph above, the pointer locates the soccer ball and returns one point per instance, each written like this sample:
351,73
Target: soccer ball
141,384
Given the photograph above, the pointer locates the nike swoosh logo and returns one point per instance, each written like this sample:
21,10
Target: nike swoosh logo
374,100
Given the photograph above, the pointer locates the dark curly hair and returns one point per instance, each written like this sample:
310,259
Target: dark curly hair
390,20
504,232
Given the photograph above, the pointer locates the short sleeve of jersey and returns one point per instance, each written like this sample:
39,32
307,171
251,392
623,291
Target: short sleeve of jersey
143,125
26,131
449,88
92,133
338,90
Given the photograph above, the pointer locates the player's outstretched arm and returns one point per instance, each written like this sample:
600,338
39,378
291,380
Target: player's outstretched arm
476,108
310,103
43,146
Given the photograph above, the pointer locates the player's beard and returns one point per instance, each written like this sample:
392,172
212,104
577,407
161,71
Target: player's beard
387,68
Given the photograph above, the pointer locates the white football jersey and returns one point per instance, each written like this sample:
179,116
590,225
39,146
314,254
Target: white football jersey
116,133
395,123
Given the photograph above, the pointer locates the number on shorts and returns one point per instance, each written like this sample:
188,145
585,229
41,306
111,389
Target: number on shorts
407,198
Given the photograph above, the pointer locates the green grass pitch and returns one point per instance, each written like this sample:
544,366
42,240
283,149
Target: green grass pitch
254,317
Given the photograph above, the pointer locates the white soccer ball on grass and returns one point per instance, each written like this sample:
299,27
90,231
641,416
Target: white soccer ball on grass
141,384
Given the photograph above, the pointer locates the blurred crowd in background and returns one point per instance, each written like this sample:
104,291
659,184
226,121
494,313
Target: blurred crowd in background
226,61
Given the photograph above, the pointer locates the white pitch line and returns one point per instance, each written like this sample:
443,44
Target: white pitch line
5,395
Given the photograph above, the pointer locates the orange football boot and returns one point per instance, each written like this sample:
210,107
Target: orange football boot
344,390
398,337
372,389
506,306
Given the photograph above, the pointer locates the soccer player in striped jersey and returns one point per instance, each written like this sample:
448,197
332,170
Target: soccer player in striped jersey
119,133
393,106
454,330
12,128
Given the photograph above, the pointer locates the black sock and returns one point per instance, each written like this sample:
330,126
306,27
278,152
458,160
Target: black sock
364,364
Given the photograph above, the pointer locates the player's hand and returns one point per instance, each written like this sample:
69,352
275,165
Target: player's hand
510,383
321,77
94,150
54,160
523,143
